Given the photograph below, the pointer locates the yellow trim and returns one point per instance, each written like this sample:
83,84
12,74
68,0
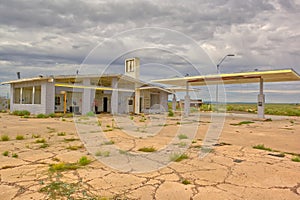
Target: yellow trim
91,87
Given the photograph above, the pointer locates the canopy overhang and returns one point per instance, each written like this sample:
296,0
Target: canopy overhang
234,78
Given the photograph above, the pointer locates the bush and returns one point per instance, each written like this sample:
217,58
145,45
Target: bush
171,113
41,115
147,149
84,161
178,157
21,112
90,114
5,153
19,137
4,138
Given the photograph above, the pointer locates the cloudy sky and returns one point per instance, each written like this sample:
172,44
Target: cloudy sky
171,38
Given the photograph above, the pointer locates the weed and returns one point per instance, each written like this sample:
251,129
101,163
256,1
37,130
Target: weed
107,126
19,137
170,113
90,114
40,140
70,139
21,112
131,118
262,147
194,141
14,155
84,161
41,115
4,138
185,182
51,130
61,134
147,149
182,136
44,145
102,153
110,142
296,159
52,115
178,123
178,157
107,130
74,148
242,122
5,153
62,166
182,144
35,135
99,123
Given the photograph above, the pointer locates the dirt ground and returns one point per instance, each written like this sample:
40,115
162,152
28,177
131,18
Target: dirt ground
232,170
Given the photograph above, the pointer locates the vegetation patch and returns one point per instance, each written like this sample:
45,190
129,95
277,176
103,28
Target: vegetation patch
262,147
21,113
182,136
4,138
147,149
62,166
242,122
90,114
61,134
35,136
185,182
51,130
102,153
170,113
41,115
5,153
178,157
40,140
75,147
110,142
70,139
44,145
296,159
19,137
14,155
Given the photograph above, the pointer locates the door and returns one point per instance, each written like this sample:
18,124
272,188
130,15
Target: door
104,104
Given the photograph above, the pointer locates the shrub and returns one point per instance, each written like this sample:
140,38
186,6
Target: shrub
147,149
40,140
52,115
21,112
110,142
61,134
19,137
74,148
41,115
84,161
35,135
296,159
5,153
182,136
185,182
14,155
44,145
178,157
262,147
171,113
90,114
4,138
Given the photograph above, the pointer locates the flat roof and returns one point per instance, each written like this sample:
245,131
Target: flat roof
281,75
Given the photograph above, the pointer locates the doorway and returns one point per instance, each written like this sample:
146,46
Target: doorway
105,104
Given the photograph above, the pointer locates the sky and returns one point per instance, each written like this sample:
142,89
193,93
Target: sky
171,38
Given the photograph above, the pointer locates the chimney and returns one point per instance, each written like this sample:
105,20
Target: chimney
19,75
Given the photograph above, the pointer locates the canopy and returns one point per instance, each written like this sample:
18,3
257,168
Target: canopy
235,78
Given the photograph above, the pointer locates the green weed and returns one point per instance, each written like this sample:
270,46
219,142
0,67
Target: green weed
147,149
19,137
262,147
178,157
182,136
4,138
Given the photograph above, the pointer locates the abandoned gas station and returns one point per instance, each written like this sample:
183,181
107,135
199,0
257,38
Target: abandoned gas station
125,93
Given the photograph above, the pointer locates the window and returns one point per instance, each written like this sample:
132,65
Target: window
27,95
17,95
57,101
37,95
130,65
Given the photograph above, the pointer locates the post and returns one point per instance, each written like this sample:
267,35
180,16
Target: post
33,94
65,102
187,101
174,102
114,96
261,100
137,101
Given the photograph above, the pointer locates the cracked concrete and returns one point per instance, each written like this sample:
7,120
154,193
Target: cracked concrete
233,170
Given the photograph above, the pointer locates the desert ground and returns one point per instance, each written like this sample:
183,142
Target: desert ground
40,159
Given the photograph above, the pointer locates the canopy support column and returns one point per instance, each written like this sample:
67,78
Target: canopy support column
261,100
187,101
174,102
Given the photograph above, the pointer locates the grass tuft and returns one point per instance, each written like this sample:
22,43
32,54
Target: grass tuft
147,149
61,134
84,161
40,140
178,157
185,182
4,138
242,122
262,147
5,153
19,137
182,136
110,142
296,159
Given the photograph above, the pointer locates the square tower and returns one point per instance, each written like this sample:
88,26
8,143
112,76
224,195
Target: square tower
132,67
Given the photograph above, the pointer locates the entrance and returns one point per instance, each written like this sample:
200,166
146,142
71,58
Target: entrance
104,104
